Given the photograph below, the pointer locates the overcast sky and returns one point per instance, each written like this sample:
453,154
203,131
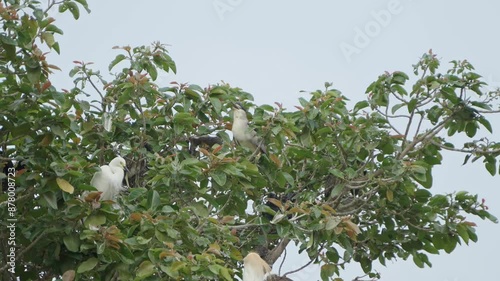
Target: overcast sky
275,49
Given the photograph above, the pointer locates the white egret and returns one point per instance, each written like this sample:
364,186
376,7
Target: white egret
109,179
242,133
255,268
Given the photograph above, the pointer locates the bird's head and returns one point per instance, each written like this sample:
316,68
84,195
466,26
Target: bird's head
255,267
239,111
119,162
238,105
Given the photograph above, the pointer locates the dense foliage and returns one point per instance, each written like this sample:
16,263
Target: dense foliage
345,185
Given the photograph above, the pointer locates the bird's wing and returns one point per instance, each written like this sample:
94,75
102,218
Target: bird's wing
258,142
102,182
266,268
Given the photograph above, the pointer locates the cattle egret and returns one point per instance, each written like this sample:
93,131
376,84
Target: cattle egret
242,133
109,179
255,268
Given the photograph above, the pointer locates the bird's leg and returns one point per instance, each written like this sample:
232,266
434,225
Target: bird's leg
254,154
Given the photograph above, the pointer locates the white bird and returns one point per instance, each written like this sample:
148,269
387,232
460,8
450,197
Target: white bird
255,268
109,179
242,133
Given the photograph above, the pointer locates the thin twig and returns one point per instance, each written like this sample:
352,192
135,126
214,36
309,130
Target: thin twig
282,262
298,269
243,226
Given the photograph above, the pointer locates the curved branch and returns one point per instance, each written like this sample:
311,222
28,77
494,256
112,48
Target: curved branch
273,255
463,150
298,269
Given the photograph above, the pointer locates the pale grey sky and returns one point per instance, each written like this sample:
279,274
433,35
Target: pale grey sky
274,49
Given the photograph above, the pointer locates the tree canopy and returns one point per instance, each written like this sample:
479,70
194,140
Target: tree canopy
345,184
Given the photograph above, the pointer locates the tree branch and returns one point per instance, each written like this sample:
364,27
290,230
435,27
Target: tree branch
273,255
298,269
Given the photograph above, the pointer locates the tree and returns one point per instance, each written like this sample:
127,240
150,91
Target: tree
345,185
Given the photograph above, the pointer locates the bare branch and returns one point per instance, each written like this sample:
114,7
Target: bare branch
273,255
243,226
298,269
463,150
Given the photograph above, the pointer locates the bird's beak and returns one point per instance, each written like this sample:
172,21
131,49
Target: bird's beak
238,105
126,177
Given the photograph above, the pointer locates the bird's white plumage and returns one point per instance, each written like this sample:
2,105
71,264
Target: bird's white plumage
255,268
109,179
243,134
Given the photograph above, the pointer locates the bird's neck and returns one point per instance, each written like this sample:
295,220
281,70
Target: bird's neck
117,170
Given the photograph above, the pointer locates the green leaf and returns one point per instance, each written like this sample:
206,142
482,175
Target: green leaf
366,264
216,103
462,231
224,272
389,195
73,8
220,178
146,269
399,77
492,218
430,249
58,131
422,195
199,209
336,172
449,94
65,186
466,158
439,201
126,255
482,105
485,123
115,61
95,220
396,107
84,4
400,90
491,166
56,48
53,28
184,118
425,179
332,255
8,40
450,244
214,268
470,129
332,222
361,105
87,265
418,262
72,243
412,105
48,37
153,200
34,74
289,179
327,271
51,199
151,69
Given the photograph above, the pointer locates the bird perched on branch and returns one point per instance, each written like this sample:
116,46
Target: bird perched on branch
109,179
242,133
255,268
